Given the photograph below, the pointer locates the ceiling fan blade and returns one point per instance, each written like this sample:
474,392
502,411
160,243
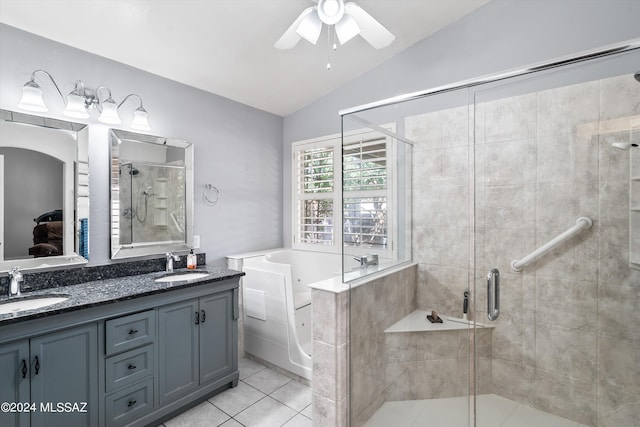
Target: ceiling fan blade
371,30
290,37
310,26
346,29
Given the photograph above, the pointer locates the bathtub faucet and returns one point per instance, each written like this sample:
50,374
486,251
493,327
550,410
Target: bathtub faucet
367,260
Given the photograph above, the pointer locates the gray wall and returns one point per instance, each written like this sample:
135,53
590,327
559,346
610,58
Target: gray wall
237,148
502,35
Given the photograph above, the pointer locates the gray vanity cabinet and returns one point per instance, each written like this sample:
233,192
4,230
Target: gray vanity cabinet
14,381
217,326
57,376
68,374
132,362
178,350
129,367
196,343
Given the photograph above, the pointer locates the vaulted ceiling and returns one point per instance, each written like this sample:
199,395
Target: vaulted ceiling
226,46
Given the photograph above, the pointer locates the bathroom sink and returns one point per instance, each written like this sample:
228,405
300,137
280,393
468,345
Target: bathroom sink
16,304
177,277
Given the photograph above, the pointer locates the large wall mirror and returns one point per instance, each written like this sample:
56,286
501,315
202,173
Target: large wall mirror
44,202
151,194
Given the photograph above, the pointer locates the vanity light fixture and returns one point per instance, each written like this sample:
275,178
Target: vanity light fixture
80,100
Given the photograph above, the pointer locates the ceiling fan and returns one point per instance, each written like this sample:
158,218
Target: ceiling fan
348,19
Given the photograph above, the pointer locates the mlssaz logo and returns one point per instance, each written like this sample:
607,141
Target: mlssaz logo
66,407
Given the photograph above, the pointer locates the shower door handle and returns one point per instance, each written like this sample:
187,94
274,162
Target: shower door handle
493,294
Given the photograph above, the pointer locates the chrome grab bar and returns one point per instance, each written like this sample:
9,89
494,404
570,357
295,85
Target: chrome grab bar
493,294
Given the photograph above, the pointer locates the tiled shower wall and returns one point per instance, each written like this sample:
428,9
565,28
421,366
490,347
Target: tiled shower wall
148,218
567,340
374,306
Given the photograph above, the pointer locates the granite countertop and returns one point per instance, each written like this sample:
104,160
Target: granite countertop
108,291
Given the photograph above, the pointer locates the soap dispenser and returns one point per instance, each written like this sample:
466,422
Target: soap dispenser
192,261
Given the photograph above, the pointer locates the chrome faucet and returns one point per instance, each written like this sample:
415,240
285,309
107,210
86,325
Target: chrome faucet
362,260
367,260
170,258
16,279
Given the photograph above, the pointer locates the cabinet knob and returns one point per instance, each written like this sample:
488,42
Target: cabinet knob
133,331
37,365
24,369
131,403
131,366
197,317
203,317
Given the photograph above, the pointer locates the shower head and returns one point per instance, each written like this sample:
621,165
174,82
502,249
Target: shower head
624,145
637,76
134,171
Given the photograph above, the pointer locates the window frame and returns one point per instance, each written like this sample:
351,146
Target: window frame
337,196
297,196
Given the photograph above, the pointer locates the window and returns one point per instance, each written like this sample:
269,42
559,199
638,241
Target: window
365,220
361,168
315,197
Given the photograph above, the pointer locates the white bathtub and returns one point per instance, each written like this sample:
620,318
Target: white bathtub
277,304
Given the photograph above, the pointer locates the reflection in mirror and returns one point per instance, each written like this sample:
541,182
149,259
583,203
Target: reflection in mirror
151,194
44,202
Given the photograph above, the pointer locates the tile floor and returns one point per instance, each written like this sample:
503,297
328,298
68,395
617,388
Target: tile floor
263,398
494,411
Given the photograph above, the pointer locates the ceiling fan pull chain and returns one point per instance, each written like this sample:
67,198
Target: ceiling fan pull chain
329,31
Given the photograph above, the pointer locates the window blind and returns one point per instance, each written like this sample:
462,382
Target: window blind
364,165
315,187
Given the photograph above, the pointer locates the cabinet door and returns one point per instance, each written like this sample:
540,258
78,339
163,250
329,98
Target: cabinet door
178,350
216,336
14,381
64,377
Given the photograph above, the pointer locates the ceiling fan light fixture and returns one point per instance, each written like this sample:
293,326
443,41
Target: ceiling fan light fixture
372,31
347,19
310,28
330,7
347,29
330,11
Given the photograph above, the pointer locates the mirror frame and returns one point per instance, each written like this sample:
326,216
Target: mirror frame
120,251
81,134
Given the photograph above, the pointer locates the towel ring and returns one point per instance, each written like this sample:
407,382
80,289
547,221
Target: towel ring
210,194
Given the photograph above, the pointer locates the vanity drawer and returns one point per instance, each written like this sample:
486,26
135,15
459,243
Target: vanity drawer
129,404
127,332
129,367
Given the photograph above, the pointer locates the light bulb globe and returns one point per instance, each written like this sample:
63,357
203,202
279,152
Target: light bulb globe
31,99
109,114
76,107
140,119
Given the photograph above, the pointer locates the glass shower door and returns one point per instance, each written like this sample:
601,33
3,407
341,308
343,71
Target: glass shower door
555,172
405,370
525,193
